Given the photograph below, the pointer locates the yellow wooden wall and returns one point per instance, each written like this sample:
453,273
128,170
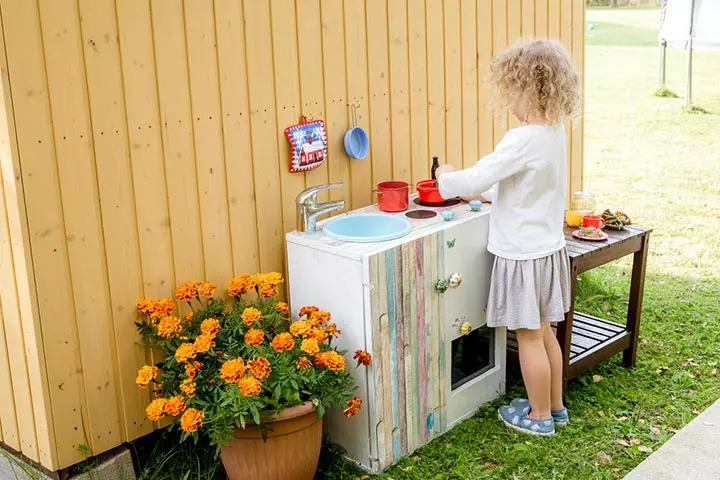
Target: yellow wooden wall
142,145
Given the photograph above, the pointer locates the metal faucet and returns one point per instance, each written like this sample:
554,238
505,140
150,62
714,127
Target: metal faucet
308,209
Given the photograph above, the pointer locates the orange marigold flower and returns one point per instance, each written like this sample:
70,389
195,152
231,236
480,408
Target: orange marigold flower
145,306
254,337
156,410
187,291
185,352
283,308
189,315
332,330
320,316
145,375
232,370
210,327
191,420
239,285
334,361
362,357
259,368
206,289
283,341
190,370
169,326
318,334
203,343
249,386
319,359
164,307
188,387
301,327
310,346
306,311
250,315
267,290
174,406
273,278
353,406
303,363
255,280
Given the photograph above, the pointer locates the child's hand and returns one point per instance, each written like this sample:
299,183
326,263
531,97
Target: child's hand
443,169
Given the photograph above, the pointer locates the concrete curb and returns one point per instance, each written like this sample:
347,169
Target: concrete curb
692,454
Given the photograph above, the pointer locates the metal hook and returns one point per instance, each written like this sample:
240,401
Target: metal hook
353,112
354,115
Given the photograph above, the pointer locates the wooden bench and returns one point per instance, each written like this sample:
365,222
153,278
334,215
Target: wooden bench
586,340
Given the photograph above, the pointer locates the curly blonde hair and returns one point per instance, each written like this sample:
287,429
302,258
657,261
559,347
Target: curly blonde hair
540,73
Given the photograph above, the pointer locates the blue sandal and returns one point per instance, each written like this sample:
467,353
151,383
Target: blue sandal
517,419
561,417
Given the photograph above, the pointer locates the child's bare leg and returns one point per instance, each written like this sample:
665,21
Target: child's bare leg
554,354
536,372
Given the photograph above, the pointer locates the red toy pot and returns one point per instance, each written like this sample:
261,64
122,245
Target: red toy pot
393,196
429,193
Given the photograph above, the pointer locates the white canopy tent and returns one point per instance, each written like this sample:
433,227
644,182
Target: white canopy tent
688,24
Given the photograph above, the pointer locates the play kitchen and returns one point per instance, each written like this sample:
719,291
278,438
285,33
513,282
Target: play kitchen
410,287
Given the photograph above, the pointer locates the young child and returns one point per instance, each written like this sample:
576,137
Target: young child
525,179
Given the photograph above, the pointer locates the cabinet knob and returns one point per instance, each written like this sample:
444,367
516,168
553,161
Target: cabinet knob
454,281
466,328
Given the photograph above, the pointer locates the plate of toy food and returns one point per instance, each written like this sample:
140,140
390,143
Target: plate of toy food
615,220
590,233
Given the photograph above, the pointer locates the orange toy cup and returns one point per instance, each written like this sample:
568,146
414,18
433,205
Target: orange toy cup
573,219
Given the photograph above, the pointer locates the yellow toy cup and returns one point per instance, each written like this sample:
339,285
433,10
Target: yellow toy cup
573,219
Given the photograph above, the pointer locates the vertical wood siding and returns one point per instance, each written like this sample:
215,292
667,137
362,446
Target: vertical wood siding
142,145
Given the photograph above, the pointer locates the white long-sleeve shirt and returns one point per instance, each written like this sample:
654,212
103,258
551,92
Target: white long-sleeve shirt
525,178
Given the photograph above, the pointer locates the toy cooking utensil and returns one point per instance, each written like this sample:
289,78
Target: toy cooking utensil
356,140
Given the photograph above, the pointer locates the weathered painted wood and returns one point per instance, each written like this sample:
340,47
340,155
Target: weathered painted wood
419,339
410,347
388,392
400,348
377,414
393,322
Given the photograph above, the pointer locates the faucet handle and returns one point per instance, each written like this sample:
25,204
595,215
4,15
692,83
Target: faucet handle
311,192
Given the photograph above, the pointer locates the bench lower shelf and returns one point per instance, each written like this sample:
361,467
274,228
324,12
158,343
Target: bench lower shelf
594,340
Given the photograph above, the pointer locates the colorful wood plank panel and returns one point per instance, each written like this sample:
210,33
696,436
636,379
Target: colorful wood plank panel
410,390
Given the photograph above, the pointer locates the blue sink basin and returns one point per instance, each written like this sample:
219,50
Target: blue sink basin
367,228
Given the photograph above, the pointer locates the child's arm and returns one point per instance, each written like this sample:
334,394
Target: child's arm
508,159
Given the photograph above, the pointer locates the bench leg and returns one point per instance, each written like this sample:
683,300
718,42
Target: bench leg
637,285
564,329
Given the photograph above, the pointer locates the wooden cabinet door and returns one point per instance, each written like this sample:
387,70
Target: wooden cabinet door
465,252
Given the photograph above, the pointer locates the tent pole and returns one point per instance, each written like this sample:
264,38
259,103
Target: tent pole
663,51
688,67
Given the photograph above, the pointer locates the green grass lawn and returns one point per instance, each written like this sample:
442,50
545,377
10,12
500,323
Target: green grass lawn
661,166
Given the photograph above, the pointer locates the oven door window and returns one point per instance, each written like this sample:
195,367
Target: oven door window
472,355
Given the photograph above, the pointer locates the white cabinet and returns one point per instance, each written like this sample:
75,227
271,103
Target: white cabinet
426,375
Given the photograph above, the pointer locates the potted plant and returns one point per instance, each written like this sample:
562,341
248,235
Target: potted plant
238,370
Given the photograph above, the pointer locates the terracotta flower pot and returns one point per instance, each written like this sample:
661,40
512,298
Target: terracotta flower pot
290,453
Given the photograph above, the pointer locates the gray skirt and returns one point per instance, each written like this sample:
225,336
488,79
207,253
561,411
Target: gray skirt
526,293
